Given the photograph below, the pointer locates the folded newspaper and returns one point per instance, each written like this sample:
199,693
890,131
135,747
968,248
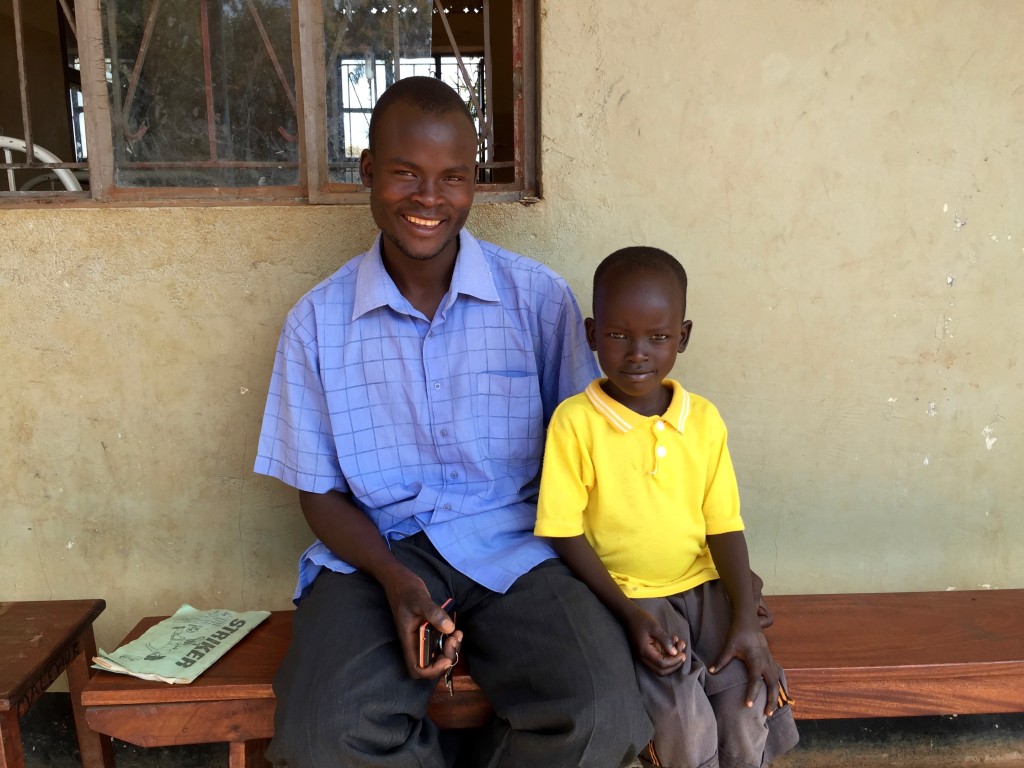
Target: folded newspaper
181,647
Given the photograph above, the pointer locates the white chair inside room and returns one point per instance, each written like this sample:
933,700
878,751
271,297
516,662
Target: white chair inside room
9,145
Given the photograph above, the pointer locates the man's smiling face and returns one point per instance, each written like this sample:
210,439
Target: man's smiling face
421,174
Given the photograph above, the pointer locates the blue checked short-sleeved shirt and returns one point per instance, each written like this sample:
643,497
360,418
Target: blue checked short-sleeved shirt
434,426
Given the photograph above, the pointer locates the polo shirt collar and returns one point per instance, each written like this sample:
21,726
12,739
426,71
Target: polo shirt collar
624,419
375,288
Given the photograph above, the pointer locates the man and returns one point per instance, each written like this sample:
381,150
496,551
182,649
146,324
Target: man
408,406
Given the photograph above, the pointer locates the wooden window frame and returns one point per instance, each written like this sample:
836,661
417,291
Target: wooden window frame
314,186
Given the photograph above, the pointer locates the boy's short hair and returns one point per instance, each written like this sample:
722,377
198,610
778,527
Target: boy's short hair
427,94
642,258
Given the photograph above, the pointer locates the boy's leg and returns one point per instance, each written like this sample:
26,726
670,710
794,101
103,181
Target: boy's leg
746,739
556,667
782,731
685,730
742,730
344,696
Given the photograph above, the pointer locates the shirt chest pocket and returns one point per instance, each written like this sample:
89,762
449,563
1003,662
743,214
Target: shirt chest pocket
509,412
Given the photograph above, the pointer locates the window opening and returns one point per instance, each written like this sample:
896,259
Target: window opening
176,99
38,145
368,45
202,93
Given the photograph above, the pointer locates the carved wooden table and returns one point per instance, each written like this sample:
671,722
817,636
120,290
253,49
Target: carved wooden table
38,641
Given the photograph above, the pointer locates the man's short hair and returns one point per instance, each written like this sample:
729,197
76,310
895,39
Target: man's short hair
426,94
642,258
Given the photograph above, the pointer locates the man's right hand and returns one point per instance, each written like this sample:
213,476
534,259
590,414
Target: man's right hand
411,605
349,533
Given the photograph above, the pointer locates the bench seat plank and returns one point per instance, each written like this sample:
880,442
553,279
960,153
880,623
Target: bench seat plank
901,654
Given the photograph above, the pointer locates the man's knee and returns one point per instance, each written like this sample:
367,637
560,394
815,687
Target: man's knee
334,731
742,730
610,722
620,730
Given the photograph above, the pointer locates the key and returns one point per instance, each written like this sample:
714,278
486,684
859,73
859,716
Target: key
448,681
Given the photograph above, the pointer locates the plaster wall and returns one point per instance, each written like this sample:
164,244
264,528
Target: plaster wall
843,181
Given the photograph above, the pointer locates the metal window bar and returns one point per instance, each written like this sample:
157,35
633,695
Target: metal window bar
70,17
19,45
486,130
74,98
525,137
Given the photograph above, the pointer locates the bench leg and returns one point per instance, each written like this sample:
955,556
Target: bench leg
248,754
95,748
11,755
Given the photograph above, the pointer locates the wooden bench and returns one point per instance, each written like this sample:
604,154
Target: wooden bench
846,656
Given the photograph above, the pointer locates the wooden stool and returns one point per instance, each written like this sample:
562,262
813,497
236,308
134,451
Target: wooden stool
38,641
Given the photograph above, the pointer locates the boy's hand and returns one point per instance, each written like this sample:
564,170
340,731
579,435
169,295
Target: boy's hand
749,645
660,652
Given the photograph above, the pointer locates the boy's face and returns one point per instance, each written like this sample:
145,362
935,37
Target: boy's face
637,331
421,176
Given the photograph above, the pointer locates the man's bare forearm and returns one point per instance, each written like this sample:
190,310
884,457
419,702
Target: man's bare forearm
349,533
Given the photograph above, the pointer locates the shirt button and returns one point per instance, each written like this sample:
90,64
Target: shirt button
661,451
447,506
444,433
659,425
453,475
437,385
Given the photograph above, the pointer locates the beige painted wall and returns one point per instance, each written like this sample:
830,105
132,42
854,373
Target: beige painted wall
843,181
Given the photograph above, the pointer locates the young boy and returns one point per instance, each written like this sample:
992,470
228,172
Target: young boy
639,498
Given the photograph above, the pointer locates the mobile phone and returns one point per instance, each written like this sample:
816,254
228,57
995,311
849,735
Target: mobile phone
432,639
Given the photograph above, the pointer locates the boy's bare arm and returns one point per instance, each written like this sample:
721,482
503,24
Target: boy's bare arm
659,651
352,536
745,640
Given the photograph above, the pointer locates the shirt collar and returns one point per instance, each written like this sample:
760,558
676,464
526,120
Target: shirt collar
624,419
375,288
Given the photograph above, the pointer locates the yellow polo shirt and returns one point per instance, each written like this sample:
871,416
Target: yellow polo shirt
644,490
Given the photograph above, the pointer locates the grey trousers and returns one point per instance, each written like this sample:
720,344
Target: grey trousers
552,661
700,719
